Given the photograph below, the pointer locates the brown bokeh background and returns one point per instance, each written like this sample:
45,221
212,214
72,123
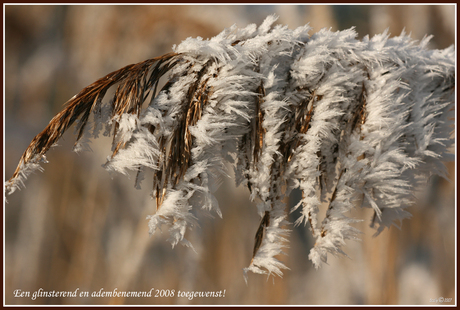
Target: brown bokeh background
76,226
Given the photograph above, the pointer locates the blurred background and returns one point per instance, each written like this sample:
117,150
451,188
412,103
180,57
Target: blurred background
77,226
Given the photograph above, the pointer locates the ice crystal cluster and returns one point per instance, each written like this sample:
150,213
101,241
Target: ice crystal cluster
348,122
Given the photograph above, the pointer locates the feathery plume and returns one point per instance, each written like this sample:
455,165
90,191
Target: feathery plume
343,120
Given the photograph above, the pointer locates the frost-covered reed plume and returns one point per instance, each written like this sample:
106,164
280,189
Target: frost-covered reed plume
348,122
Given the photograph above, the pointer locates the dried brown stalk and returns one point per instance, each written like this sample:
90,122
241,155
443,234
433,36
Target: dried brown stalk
242,146
359,116
258,130
177,157
357,121
129,96
260,234
330,207
303,116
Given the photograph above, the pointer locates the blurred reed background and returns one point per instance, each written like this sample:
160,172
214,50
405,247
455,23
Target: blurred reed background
76,226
